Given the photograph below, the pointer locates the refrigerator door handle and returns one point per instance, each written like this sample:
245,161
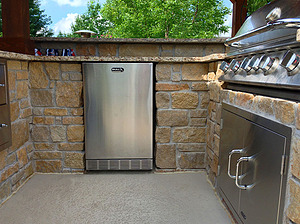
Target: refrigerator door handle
241,186
240,151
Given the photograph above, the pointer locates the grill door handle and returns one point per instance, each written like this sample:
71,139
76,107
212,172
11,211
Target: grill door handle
229,161
245,186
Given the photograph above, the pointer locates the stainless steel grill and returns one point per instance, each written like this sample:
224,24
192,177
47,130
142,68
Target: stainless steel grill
265,52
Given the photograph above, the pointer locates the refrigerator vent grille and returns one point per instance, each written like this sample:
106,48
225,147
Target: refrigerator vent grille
131,164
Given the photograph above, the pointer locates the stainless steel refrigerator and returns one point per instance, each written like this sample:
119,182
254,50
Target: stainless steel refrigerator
118,109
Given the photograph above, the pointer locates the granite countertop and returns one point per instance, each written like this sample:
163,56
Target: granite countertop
130,40
25,57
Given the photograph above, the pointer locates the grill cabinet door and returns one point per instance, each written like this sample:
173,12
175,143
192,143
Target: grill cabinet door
260,203
232,137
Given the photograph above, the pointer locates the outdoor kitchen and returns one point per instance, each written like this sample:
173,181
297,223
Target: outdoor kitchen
223,110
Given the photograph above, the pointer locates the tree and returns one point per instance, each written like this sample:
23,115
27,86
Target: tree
165,18
91,20
253,5
38,20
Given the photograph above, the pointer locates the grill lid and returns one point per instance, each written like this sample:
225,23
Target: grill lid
272,26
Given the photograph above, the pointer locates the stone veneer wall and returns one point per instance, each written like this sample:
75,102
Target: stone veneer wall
282,111
16,161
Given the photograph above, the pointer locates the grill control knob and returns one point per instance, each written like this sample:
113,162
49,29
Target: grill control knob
234,65
266,63
224,66
254,63
290,61
246,65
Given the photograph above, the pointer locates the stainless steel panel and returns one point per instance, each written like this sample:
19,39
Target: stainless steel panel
232,137
267,148
124,164
5,128
118,110
3,87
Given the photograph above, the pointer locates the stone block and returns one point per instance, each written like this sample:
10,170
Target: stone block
40,134
163,135
216,145
20,134
24,65
212,67
162,100
22,157
218,113
17,177
41,98
5,190
194,72
47,155
189,135
38,120
26,113
38,78
212,106
191,147
3,155
14,111
58,120
86,50
218,129
198,113
213,161
204,100
24,103
293,211
11,80
77,111
176,68
75,133
65,76
22,89
52,70
71,146
44,146
22,75
284,111
48,166
176,77
163,72
296,157
107,50
244,100
171,87
165,156
201,122
76,77
172,118
71,67
224,95
191,160
200,86
28,170
69,94
232,97
58,133
183,100
37,111
214,91
55,112
166,50
210,134
13,65
11,158
12,96
72,120
214,49
74,160
30,148
139,50
189,50
9,171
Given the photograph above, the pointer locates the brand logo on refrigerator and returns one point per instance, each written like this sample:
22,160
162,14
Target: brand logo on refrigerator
117,69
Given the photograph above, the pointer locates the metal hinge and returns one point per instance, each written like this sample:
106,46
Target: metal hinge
283,162
221,125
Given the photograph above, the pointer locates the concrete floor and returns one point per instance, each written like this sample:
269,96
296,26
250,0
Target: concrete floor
184,198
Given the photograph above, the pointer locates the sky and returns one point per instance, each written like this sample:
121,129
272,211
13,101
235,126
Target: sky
64,12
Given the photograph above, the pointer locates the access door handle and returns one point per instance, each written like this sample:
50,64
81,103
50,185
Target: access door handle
229,161
246,186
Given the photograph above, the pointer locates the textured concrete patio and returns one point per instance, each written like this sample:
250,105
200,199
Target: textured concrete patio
120,197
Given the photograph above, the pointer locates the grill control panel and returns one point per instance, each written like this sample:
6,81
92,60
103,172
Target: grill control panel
279,69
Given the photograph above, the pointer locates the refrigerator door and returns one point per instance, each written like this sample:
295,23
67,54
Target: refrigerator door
118,110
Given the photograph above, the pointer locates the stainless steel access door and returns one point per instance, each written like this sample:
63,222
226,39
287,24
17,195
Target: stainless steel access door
118,110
